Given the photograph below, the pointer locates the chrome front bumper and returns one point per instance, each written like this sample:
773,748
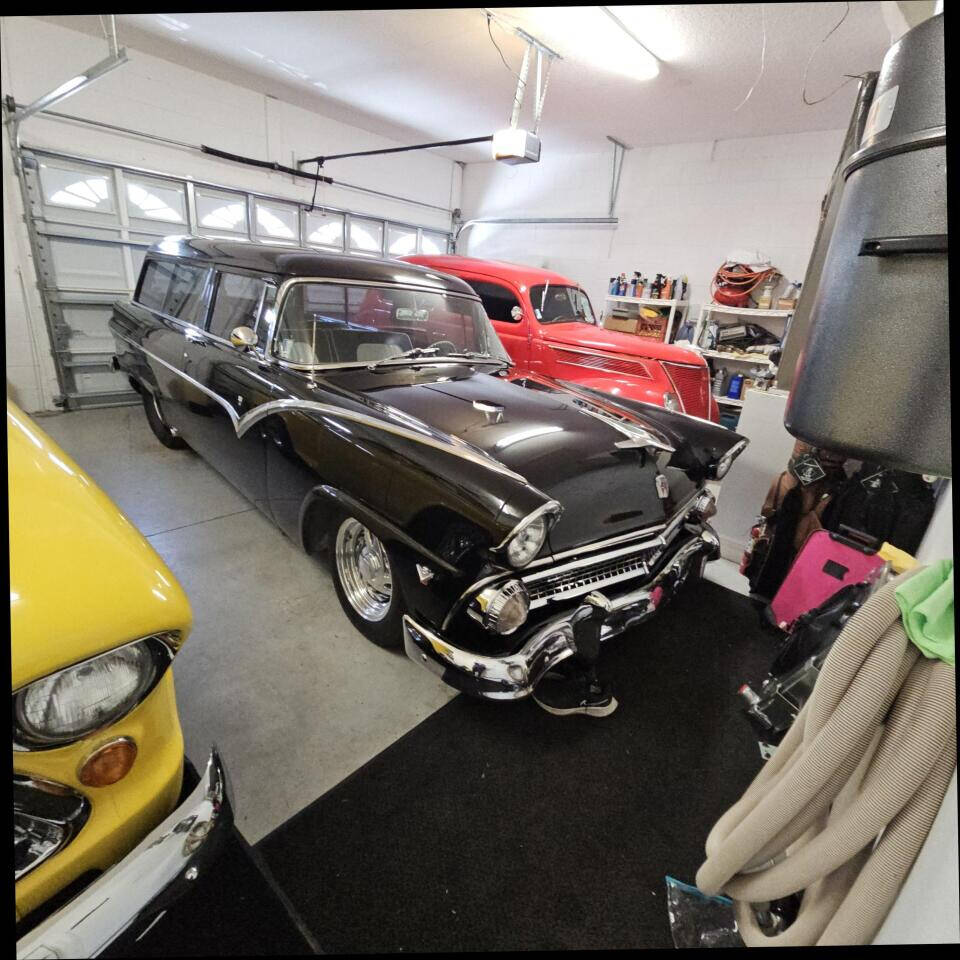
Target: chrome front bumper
159,869
514,676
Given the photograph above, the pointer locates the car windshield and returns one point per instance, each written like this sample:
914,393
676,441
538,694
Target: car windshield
557,303
323,324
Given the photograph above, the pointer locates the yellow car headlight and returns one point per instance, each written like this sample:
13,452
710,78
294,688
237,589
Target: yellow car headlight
71,703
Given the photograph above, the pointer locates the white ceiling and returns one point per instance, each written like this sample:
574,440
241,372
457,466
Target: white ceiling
434,74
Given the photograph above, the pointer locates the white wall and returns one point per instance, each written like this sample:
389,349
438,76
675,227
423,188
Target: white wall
682,208
162,98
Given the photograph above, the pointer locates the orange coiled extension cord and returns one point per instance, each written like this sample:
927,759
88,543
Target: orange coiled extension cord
735,282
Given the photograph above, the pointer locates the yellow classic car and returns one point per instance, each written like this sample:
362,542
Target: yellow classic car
96,620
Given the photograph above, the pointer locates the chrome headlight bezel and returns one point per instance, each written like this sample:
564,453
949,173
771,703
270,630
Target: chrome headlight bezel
705,506
493,602
719,469
159,648
538,521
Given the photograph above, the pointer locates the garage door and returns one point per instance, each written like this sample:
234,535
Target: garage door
91,224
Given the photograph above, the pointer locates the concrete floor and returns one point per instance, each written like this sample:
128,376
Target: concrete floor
273,672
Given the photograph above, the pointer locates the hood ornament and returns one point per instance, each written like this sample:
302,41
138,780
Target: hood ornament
492,411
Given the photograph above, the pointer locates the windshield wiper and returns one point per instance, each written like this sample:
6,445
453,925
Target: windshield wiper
432,353
410,354
473,355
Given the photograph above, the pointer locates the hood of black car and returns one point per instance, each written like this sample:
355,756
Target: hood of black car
560,449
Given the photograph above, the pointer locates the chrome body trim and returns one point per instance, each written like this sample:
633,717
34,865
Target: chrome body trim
728,459
172,853
513,677
424,435
636,435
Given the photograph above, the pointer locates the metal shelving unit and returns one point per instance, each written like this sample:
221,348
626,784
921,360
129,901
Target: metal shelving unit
766,318
653,302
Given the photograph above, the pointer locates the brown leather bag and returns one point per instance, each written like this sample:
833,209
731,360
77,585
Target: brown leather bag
791,511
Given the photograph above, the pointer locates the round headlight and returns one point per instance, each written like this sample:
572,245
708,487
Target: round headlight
73,702
670,401
525,544
705,505
504,608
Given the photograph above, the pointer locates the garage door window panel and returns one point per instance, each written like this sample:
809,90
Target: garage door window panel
366,237
433,243
221,214
238,303
277,222
324,229
77,193
155,205
401,241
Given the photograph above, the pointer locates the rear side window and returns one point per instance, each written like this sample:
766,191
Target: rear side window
498,301
237,304
174,289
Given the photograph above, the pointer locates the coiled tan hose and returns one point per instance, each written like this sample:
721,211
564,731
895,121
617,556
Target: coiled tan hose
870,755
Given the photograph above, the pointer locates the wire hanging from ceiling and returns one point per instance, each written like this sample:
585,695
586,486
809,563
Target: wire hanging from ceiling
494,42
803,89
763,59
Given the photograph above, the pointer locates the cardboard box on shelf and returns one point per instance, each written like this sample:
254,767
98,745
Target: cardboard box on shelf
623,324
652,328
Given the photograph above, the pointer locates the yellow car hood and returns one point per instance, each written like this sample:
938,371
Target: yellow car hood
82,578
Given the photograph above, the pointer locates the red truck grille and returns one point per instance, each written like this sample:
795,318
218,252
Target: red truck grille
636,368
693,387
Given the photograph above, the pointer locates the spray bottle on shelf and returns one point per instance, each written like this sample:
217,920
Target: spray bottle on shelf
718,380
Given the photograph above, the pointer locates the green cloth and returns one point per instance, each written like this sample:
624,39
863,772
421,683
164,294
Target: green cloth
926,606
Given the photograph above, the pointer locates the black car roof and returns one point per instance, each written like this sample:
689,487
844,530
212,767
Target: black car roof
287,261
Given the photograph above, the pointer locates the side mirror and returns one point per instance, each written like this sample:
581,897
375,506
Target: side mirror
516,312
243,337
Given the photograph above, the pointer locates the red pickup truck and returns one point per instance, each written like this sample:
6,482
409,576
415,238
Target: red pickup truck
548,326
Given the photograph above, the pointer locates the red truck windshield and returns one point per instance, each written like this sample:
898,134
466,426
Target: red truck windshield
561,304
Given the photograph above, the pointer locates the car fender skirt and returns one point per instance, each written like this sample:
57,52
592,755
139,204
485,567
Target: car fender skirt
383,528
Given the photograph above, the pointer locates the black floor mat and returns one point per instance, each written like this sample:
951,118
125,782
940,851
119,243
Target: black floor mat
494,826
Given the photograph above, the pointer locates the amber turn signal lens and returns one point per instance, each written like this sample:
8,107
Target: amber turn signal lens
109,763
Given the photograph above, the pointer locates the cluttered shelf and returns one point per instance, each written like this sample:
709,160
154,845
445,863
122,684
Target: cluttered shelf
649,301
758,358
747,311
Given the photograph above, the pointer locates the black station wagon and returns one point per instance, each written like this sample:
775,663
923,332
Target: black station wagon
368,408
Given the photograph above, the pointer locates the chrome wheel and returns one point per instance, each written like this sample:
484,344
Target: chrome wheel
364,570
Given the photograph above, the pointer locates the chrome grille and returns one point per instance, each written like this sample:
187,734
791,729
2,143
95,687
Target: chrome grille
46,817
693,387
581,579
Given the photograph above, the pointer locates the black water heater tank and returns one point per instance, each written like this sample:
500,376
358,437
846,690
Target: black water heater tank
873,379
